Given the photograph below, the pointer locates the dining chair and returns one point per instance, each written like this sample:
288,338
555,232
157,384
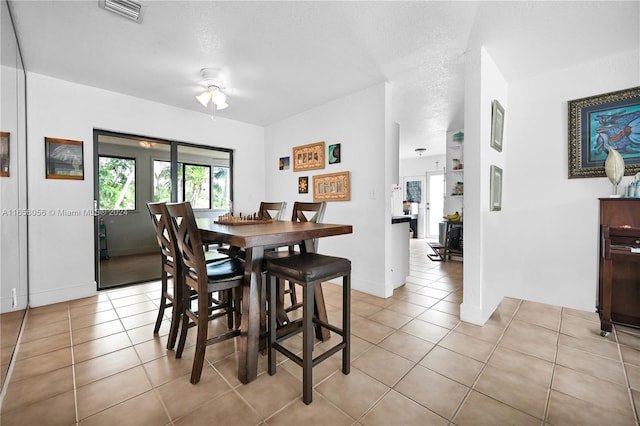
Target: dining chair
169,298
302,212
225,276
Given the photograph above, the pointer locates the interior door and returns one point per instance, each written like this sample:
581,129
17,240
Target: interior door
434,210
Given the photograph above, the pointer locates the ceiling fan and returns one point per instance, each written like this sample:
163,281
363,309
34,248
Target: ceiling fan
213,94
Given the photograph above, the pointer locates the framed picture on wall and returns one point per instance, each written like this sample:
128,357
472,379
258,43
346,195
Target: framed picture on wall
303,185
64,159
4,154
308,157
283,164
497,125
332,187
599,122
495,199
334,153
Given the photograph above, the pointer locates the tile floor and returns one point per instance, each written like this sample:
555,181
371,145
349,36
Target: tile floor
95,361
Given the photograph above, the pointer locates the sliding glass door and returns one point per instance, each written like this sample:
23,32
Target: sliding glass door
131,171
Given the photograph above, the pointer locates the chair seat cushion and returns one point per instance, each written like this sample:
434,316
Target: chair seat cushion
308,267
223,269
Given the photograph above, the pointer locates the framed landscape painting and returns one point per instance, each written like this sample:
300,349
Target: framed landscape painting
64,159
599,122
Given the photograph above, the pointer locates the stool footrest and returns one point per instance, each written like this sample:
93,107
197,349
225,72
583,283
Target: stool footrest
295,358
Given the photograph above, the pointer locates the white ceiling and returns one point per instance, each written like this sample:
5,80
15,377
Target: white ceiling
278,59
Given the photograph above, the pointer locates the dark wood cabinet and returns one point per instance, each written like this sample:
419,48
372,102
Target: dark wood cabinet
619,265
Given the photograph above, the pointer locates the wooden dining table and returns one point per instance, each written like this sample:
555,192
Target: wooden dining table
253,239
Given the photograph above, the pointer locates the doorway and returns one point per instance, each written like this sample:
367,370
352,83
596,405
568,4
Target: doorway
434,209
414,195
131,171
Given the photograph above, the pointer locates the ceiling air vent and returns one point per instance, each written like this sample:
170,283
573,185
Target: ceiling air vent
130,9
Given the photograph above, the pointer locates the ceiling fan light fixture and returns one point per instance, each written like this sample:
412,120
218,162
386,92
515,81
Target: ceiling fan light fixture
218,98
204,98
420,151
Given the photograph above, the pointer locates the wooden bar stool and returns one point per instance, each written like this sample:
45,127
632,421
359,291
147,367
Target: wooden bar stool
308,270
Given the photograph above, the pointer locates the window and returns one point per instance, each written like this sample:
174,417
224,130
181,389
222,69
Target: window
221,187
205,186
161,181
196,185
117,181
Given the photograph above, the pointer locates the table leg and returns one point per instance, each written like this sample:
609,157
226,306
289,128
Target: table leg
250,325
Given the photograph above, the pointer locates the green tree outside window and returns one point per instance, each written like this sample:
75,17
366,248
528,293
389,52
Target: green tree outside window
117,181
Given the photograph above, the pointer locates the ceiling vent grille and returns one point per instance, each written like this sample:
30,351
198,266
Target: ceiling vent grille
130,9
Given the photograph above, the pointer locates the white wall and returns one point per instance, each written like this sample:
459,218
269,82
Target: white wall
420,165
61,247
483,267
358,122
554,217
543,245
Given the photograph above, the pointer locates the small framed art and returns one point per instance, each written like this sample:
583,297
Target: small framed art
5,159
495,199
303,185
497,125
334,153
283,164
64,159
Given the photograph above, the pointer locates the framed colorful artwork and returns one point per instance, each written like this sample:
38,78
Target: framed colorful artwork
303,185
283,163
64,159
334,153
599,122
332,187
308,157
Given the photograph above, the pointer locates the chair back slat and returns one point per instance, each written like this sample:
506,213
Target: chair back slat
308,212
190,247
164,231
272,210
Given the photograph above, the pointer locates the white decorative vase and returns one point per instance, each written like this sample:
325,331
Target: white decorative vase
614,169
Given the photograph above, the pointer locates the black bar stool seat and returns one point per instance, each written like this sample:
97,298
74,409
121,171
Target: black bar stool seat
309,270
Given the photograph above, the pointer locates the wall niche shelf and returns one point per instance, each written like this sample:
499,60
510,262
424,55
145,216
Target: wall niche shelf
454,176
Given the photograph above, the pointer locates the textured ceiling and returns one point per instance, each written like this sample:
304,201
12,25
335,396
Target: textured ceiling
278,59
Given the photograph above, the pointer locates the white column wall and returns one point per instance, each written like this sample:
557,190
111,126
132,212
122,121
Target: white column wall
543,245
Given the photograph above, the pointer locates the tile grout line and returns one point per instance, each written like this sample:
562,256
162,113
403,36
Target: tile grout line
73,365
547,404
484,366
7,379
626,377
133,346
